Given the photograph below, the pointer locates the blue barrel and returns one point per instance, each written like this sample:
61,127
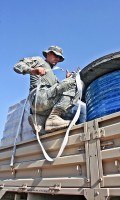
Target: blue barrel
103,96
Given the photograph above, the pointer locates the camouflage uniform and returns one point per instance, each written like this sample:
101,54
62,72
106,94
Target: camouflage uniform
52,93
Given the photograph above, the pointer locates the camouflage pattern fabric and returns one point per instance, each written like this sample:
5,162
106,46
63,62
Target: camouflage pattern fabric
61,95
52,93
24,66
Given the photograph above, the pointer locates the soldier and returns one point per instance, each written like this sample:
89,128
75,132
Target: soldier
53,98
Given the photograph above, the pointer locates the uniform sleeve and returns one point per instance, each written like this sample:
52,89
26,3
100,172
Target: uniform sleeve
24,65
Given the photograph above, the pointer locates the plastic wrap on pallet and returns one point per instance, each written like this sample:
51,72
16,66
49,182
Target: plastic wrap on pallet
25,132
12,123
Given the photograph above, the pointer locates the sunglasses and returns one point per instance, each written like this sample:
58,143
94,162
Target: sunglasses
57,56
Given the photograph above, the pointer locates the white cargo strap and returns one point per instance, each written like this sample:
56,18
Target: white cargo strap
65,140
18,131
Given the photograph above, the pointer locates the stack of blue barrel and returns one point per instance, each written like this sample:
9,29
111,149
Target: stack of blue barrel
102,86
103,96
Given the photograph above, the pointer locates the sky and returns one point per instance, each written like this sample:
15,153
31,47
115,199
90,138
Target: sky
85,29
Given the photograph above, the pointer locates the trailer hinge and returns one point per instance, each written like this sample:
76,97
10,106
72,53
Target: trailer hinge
106,144
117,164
23,187
55,188
99,133
2,186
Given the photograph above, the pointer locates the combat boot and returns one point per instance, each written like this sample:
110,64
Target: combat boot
37,122
55,122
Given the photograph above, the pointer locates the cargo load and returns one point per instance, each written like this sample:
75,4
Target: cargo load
89,166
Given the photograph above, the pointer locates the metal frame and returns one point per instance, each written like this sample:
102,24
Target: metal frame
89,166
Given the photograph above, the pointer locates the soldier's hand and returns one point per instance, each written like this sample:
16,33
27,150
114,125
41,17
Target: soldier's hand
38,71
68,74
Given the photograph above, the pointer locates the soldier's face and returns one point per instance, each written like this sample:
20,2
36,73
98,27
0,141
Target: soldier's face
52,58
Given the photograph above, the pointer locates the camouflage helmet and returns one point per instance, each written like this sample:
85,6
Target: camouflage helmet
56,50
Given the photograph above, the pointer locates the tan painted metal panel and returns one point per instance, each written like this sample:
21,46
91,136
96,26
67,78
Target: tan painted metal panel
91,160
46,182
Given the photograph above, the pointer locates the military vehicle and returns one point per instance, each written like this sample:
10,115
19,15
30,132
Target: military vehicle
89,167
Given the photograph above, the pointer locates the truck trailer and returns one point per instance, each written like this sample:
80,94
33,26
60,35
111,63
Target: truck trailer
89,167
